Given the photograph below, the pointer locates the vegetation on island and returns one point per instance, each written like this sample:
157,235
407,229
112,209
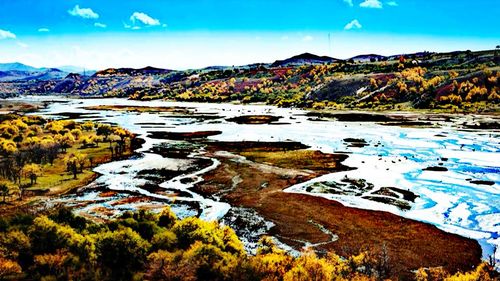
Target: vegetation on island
147,246
39,156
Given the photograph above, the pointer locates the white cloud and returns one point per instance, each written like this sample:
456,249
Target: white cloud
354,24
85,13
144,18
43,29
307,38
101,25
349,2
371,4
5,34
22,45
392,3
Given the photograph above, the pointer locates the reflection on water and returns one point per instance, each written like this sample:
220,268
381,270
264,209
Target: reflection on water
392,157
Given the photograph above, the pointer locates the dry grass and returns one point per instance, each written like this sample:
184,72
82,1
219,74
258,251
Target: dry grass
18,106
305,159
410,244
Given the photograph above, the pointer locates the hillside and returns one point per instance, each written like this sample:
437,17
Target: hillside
461,80
16,66
303,59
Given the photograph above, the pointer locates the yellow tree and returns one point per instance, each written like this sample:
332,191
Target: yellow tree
88,126
8,268
8,130
32,171
7,147
66,141
75,163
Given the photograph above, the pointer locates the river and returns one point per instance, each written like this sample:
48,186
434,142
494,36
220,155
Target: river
394,156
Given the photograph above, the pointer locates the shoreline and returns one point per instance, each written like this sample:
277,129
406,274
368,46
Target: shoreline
425,112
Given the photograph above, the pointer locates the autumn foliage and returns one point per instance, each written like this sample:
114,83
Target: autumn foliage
147,246
31,145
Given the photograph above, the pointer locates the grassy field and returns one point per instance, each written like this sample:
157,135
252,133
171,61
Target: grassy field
55,179
42,158
306,159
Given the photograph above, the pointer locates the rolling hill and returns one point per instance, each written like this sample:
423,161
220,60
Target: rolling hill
422,80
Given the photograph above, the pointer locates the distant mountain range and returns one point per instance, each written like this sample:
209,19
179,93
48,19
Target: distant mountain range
16,66
283,76
294,81
20,72
16,71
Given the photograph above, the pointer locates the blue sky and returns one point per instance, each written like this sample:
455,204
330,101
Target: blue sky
189,34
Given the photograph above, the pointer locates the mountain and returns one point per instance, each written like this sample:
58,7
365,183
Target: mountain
149,70
76,69
296,81
40,74
19,71
12,75
368,58
305,58
17,66
48,74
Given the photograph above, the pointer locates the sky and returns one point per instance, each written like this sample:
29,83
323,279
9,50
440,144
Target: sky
182,34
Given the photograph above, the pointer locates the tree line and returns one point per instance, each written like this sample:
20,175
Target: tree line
149,246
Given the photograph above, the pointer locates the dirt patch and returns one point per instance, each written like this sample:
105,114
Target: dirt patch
352,142
410,244
436,169
179,150
19,106
305,159
183,135
254,119
482,182
483,125
107,194
261,146
403,205
407,195
130,200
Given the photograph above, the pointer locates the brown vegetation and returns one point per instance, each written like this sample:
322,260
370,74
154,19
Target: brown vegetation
409,244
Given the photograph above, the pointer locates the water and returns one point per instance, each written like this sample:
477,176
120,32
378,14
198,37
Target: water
394,157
